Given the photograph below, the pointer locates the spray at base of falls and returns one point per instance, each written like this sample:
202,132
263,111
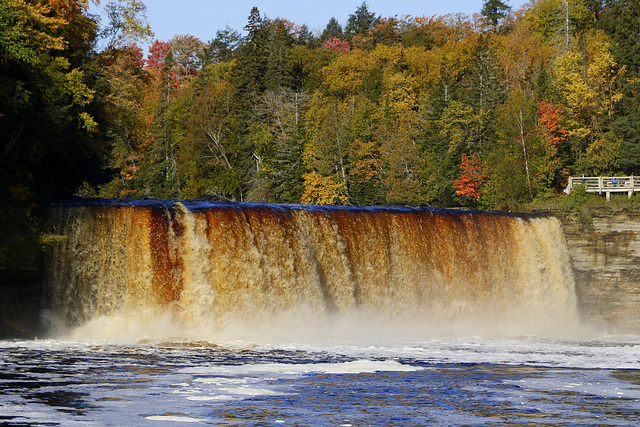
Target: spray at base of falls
153,268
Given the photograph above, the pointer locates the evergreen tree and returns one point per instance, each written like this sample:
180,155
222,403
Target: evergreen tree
495,11
333,29
278,72
252,60
621,21
161,168
223,47
360,22
305,37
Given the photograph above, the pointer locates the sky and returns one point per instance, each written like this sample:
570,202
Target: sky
202,18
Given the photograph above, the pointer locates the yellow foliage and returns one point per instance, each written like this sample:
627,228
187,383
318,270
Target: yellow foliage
80,92
323,190
400,94
345,74
87,122
459,124
35,27
589,89
603,154
385,56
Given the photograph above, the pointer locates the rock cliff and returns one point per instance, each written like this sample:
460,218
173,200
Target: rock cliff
605,251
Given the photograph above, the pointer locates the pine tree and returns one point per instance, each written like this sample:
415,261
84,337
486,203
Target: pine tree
333,29
360,22
223,47
495,11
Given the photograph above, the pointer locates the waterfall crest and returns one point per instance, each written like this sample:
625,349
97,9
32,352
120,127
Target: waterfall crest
214,264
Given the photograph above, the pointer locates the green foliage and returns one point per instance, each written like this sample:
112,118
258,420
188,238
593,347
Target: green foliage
360,22
381,116
127,23
495,11
333,29
584,219
579,196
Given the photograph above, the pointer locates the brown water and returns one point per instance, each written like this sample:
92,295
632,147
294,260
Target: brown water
217,265
166,313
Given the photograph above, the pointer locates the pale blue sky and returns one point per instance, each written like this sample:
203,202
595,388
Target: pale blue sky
202,18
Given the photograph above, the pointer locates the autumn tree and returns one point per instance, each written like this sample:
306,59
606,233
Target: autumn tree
546,154
49,133
590,98
127,23
471,178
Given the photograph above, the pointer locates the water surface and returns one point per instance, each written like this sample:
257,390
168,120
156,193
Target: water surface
468,381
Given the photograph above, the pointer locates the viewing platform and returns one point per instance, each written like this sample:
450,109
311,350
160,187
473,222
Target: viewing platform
605,184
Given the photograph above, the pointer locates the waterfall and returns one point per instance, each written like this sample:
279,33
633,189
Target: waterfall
213,264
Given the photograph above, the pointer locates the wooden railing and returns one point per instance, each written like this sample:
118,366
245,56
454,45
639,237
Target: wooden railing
605,184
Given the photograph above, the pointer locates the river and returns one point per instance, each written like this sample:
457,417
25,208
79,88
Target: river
439,381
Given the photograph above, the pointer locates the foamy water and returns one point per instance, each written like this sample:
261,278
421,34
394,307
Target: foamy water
166,313
230,266
438,381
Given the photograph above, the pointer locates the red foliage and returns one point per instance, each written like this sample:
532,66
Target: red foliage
549,119
335,44
468,183
157,52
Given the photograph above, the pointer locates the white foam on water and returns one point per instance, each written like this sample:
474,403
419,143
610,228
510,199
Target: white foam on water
287,369
594,383
207,398
213,382
175,419
120,376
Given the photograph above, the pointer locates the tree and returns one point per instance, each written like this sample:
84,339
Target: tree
621,22
462,127
252,60
223,47
332,30
127,23
587,84
187,52
323,190
360,22
279,138
278,72
208,154
495,11
507,157
50,137
558,21
546,162
336,45
471,177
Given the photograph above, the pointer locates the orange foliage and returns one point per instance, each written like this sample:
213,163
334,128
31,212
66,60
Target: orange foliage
468,183
549,119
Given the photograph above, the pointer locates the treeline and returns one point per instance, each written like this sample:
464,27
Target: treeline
493,110
490,110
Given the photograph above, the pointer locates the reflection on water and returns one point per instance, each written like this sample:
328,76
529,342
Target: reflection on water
168,383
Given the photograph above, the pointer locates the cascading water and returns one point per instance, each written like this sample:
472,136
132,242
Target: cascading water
213,265
237,314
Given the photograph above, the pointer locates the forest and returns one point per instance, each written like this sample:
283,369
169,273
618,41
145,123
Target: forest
486,111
